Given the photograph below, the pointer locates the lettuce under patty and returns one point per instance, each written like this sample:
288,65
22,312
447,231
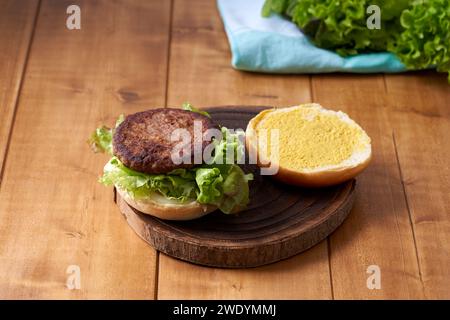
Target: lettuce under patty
217,183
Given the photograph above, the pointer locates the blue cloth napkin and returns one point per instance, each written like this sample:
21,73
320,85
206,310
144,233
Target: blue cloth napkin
276,45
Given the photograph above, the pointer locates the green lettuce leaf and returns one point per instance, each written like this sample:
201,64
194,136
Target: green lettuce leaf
176,185
209,181
189,107
417,31
225,186
101,138
278,6
235,189
341,25
230,149
425,40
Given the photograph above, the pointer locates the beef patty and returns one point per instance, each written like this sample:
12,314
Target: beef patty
143,140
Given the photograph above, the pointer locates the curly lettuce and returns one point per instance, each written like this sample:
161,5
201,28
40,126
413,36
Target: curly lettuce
341,25
225,186
189,107
176,185
425,40
229,148
101,138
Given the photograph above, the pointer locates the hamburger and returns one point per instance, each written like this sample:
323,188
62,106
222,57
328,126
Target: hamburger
148,176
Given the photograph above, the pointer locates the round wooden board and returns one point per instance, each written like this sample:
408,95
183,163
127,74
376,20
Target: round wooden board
280,221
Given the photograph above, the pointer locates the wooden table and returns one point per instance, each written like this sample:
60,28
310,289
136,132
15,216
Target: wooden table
57,85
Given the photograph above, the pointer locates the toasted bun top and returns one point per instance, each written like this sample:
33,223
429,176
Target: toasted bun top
143,140
312,141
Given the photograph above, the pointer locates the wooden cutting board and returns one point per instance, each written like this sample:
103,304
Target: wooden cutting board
280,221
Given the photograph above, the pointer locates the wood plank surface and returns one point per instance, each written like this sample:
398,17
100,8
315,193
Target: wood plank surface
54,213
200,73
57,85
16,28
378,232
419,109
200,69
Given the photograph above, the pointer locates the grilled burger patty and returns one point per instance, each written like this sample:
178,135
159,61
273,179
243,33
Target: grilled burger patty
142,140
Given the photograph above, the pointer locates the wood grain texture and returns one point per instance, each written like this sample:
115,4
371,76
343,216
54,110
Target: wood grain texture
279,222
200,73
200,70
419,109
16,29
54,213
378,231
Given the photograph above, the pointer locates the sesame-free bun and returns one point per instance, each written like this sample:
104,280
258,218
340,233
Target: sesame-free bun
163,208
316,147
